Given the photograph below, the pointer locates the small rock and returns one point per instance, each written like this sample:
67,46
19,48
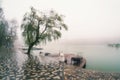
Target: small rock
56,77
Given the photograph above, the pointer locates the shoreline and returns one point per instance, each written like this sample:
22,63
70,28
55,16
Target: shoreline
79,73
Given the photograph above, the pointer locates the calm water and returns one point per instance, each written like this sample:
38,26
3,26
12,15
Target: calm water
99,57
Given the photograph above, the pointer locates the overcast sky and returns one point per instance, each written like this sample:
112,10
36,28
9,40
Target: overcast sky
87,20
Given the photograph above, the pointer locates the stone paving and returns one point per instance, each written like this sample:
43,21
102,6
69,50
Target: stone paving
32,70
75,73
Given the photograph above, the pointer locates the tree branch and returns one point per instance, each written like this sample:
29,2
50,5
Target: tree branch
43,31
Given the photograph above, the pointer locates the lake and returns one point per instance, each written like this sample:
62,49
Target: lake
99,57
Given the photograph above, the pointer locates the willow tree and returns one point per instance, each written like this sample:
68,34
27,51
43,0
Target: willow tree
39,27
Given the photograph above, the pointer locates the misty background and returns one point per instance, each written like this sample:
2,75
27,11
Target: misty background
89,21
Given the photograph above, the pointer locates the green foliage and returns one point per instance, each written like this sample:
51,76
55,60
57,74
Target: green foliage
48,26
39,27
3,28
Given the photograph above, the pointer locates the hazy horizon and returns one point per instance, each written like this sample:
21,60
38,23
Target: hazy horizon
89,21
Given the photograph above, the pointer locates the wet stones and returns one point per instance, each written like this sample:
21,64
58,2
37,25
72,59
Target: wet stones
29,71
52,71
83,74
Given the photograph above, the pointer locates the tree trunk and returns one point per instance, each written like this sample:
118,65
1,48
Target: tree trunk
29,49
34,42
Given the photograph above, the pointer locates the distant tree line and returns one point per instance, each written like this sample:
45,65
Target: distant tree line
7,31
117,45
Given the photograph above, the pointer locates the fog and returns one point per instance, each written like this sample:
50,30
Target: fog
89,21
